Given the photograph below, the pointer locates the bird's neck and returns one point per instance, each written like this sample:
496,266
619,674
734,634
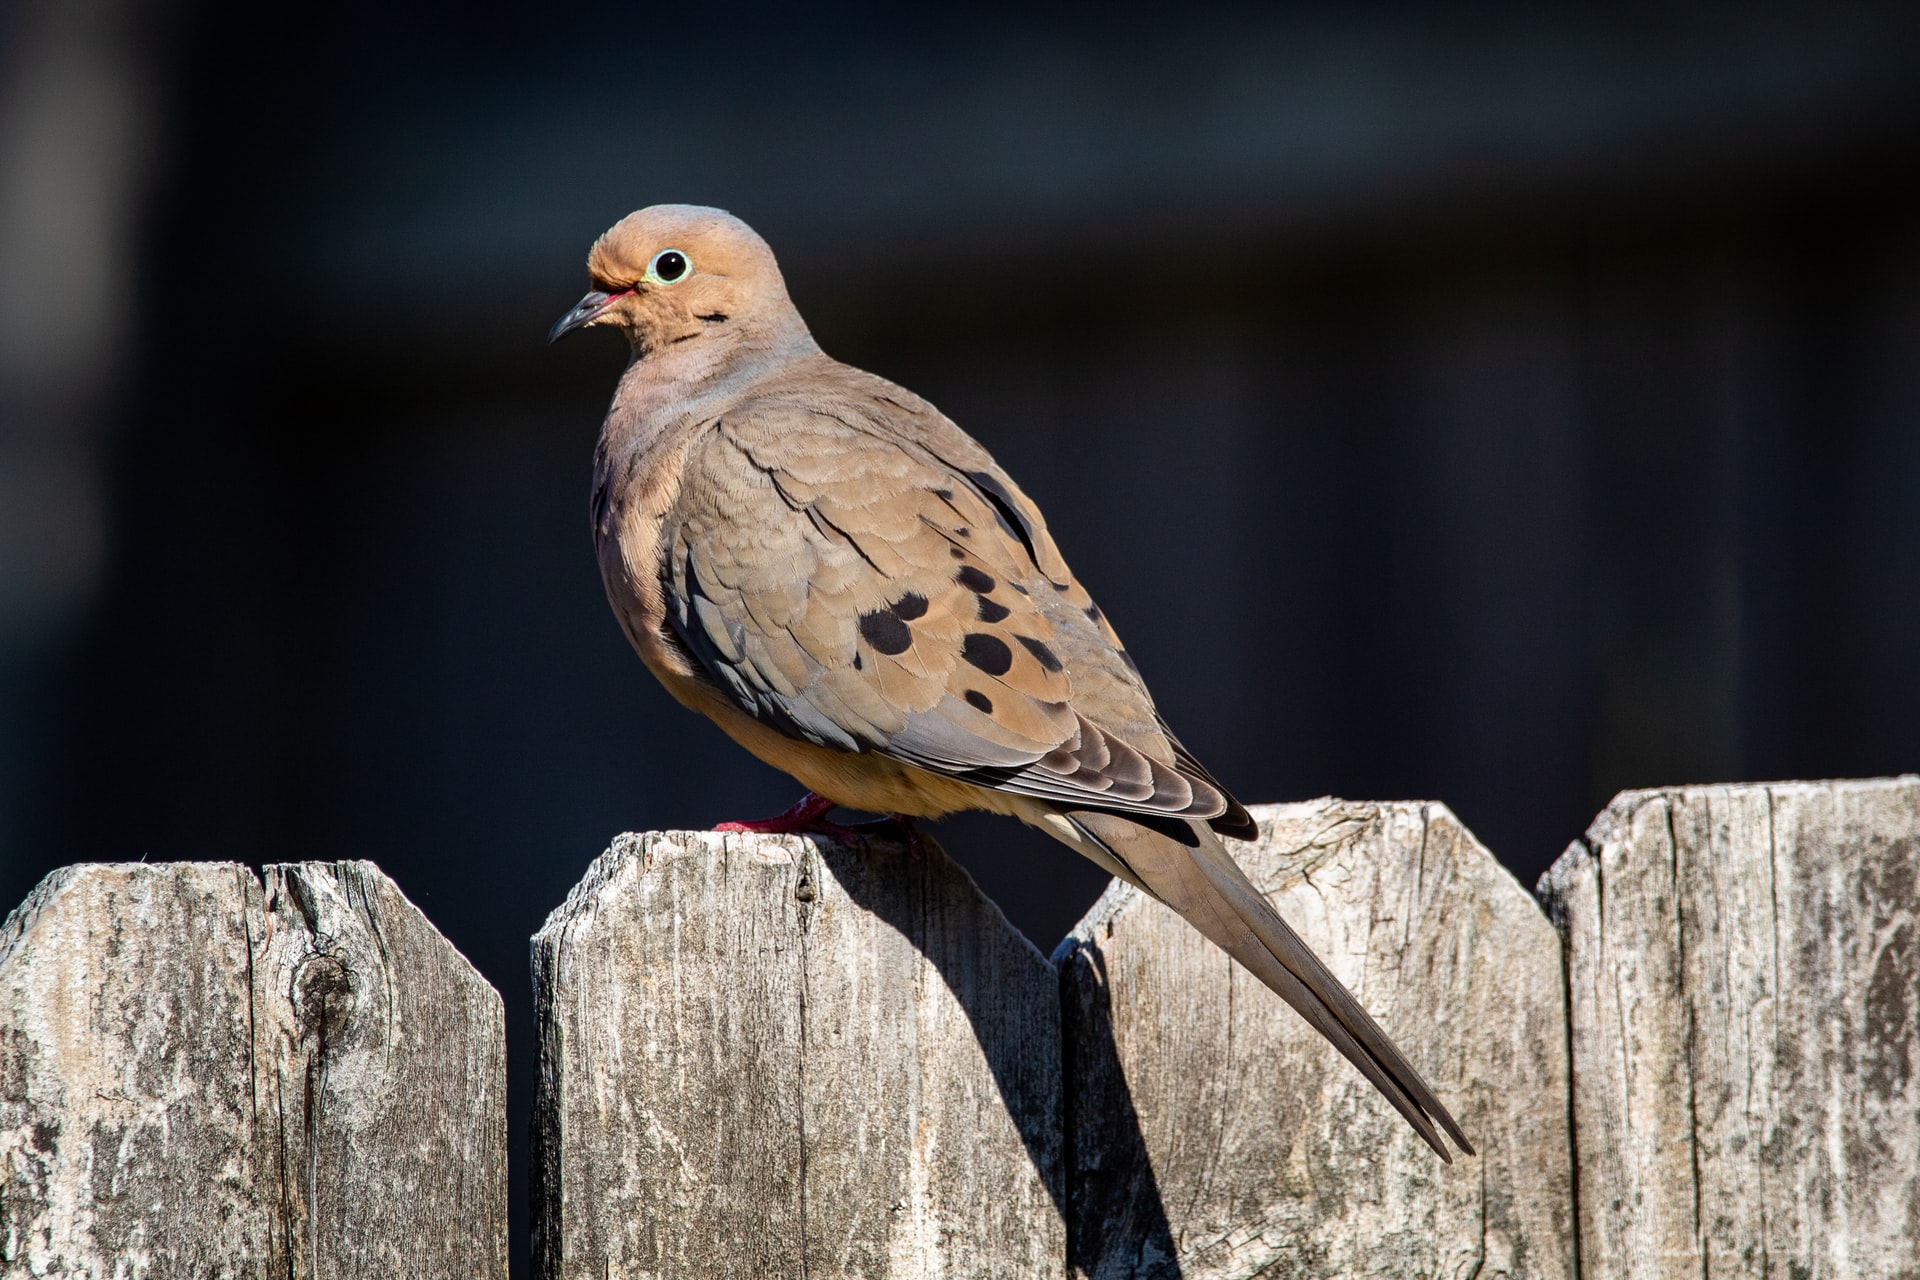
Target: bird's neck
690,383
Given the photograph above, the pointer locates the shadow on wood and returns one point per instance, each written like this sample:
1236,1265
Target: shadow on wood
764,1056
1254,1148
1115,1208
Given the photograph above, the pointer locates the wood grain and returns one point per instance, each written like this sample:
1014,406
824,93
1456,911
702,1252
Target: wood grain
202,1074
762,1056
1744,968
1214,1134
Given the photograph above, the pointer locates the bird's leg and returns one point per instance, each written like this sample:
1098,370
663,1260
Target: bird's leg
910,832
806,818
901,827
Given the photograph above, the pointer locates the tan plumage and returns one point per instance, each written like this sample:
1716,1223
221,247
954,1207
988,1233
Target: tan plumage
854,590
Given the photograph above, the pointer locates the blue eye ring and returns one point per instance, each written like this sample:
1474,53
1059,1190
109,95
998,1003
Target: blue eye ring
669,266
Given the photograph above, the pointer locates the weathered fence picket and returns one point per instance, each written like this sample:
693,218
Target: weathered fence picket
737,1069
205,1075
1744,963
1214,1134
767,1056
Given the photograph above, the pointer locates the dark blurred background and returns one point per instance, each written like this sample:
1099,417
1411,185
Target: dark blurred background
1502,404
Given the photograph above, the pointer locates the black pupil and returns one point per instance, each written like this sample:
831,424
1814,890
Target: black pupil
670,266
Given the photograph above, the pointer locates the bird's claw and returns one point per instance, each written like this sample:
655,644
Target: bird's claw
808,817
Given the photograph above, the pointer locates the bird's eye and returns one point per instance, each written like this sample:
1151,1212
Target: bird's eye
669,266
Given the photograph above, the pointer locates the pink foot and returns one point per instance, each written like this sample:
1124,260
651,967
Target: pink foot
807,818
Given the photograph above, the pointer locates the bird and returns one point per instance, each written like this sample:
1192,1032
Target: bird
852,588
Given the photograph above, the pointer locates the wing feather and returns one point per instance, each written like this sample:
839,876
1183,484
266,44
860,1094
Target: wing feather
871,585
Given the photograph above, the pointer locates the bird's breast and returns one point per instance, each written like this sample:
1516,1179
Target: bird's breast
633,493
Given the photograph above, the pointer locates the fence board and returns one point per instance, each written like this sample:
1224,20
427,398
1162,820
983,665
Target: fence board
1214,1134
205,1075
1744,968
764,1057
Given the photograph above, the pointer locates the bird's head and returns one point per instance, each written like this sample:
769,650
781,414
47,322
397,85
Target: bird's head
675,275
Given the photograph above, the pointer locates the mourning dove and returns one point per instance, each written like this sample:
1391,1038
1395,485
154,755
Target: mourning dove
850,586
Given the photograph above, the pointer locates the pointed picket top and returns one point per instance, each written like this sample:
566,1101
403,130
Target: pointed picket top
765,1055
203,1072
1216,1134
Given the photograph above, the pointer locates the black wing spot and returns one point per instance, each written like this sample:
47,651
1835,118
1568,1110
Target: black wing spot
963,532
1022,590
979,701
974,579
989,653
1093,612
857,664
956,553
992,610
1005,510
713,317
909,606
1041,652
945,495
886,633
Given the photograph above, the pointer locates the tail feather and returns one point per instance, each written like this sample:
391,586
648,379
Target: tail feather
1198,878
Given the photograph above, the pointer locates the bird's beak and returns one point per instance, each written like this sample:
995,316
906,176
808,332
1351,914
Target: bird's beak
584,312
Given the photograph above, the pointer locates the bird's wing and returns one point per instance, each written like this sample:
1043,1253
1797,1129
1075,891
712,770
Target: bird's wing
858,574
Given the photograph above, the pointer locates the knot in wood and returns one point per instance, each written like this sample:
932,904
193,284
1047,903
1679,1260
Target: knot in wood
322,993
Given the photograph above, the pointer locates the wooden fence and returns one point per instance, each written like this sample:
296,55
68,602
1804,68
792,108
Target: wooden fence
761,1056
206,1074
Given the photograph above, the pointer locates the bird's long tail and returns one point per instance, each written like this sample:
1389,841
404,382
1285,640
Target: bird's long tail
1187,867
